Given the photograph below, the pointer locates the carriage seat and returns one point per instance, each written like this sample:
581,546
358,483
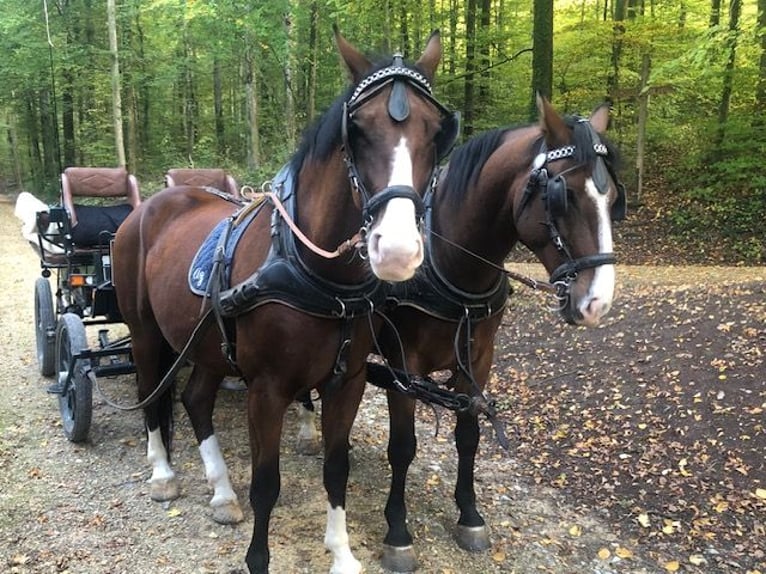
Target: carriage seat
88,222
208,177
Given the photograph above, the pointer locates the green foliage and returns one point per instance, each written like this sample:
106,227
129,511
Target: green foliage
728,196
170,48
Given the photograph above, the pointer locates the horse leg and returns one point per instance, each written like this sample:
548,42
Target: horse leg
153,358
338,412
398,552
199,399
265,419
471,532
309,442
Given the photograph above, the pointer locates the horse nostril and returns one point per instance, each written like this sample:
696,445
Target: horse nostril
373,243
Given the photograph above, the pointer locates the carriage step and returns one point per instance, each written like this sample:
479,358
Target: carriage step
55,389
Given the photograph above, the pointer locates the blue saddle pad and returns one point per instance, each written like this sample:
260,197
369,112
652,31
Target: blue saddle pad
202,265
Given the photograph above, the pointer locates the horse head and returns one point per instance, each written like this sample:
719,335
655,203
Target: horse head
394,132
573,191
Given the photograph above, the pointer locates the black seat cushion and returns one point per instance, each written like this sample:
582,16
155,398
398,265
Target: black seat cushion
96,224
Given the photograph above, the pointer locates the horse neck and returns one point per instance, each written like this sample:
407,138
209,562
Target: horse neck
328,216
481,224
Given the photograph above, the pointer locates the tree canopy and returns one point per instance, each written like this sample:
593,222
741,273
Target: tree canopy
231,83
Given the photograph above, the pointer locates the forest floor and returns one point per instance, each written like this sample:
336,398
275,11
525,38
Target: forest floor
637,447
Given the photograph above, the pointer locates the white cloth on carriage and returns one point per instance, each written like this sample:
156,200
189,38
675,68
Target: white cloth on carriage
27,208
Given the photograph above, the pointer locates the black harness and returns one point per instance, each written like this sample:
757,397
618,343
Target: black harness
286,279
430,292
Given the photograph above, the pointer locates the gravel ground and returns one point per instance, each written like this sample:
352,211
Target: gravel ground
85,508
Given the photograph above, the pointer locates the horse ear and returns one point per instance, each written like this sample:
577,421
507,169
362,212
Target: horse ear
599,119
429,60
555,130
356,62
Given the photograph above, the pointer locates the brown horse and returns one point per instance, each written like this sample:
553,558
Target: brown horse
553,187
297,316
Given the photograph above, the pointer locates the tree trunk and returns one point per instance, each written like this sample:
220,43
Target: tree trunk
643,114
14,148
452,38
483,40
760,89
735,9
715,13
290,122
618,31
542,52
220,133
470,68
251,105
313,60
119,143
48,127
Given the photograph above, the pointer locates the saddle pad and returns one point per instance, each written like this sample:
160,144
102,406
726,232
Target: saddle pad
202,265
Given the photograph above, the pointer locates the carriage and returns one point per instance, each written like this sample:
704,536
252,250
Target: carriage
74,242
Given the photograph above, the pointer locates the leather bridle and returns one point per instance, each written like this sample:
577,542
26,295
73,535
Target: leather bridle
399,77
554,192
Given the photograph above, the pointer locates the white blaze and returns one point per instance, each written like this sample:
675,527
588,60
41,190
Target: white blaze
394,245
601,292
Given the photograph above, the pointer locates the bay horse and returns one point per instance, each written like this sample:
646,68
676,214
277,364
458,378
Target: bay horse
293,316
552,186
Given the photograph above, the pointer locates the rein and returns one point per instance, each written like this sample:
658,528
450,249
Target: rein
344,247
523,279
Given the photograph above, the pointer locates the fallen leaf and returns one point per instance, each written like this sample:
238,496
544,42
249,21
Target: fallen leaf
575,531
604,553
643,520
499,556
672,566
697,559
173,512
761,493
623,552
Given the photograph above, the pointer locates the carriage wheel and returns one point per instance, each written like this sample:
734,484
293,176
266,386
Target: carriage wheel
76,398
45,327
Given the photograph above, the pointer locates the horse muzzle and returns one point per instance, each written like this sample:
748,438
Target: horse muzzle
394,240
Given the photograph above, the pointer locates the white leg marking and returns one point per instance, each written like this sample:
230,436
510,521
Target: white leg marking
394,245
216,472
336,541
597,302
158,458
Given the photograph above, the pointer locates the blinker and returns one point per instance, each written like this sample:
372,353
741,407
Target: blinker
600,177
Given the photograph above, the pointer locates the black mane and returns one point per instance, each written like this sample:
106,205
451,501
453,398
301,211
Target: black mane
466,162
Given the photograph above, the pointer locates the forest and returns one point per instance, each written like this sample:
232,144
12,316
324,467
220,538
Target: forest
157,84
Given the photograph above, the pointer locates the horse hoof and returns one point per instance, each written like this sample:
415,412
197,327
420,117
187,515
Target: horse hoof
308,446
399,558
472,538
229,513
164,490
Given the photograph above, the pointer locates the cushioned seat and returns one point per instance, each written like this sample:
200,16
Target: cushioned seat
206,177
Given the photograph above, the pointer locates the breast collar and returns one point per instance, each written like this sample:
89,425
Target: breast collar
285,278
432,293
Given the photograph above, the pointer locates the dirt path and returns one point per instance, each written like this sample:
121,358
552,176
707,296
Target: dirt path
85,508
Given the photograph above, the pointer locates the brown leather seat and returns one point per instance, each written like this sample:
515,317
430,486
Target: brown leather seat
104,182
208,177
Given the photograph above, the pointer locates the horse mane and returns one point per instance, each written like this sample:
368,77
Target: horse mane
467,161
